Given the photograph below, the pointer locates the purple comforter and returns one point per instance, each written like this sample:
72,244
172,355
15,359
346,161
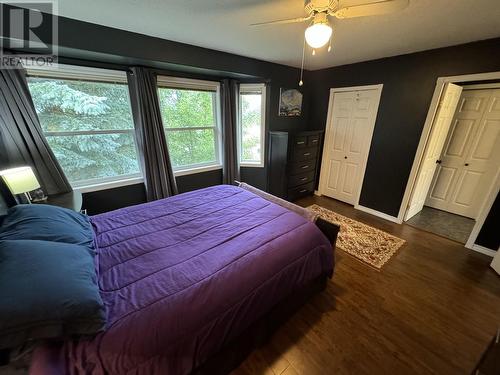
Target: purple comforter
182,276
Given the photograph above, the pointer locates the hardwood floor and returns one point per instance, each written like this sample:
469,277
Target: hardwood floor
432,309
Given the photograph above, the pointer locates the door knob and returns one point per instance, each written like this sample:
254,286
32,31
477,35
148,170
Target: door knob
439,161
345,157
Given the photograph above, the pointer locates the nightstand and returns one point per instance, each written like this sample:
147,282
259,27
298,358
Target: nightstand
71,200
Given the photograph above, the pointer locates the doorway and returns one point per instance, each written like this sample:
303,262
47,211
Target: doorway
460,164
352,113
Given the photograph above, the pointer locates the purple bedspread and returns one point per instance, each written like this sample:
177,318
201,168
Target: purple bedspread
182,276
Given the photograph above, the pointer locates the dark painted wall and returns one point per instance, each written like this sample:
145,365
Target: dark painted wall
409,82
199,180
489,236
111,199
107,200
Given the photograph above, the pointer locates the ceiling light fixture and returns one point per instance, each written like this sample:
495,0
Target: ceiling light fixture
320,32
317,35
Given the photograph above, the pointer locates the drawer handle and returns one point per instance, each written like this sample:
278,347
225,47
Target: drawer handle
301,143
304,167
315,140
307,154
303,191
303,179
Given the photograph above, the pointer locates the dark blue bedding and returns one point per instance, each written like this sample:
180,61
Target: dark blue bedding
47,223
47,290
48,281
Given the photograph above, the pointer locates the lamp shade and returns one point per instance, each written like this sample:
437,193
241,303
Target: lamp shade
318,35
20,180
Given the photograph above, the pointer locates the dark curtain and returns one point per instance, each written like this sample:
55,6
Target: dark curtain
156,166
21,134
230,108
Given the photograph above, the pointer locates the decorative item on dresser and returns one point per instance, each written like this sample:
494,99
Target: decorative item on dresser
293,163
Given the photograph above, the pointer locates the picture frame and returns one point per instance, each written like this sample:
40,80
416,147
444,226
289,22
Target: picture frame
290,103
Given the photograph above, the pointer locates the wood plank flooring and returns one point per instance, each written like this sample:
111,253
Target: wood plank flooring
432,309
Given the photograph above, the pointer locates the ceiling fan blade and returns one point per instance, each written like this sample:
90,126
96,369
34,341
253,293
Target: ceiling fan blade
348,9
281,22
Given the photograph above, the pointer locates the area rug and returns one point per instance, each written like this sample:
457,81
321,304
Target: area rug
370,245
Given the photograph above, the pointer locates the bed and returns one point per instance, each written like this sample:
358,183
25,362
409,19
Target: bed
184,277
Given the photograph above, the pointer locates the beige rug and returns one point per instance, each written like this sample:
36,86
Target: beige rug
370,245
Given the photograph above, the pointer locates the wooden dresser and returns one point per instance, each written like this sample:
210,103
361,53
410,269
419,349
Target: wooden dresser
293,164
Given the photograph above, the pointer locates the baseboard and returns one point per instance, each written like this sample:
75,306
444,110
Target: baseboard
482,250
378,213
316,192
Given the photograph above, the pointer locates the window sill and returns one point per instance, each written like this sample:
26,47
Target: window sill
108,185
138,180
185,172
252,165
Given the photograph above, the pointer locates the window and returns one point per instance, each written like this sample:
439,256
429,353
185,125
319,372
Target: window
86,117
252,128
190,114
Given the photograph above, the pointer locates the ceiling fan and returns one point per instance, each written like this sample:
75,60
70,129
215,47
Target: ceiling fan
319,31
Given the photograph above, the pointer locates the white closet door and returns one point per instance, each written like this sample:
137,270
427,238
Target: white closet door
347,143
441,125
471,158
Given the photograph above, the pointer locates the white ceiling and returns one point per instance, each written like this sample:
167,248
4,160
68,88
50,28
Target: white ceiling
223,25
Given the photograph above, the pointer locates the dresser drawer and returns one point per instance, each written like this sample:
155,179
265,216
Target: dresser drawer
302,167
313,140
300,191
300,141
300,179
304,154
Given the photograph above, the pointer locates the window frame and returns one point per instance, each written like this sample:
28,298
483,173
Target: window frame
169,82
249,88
97,75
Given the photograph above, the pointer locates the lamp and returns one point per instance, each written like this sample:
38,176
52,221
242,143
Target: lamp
320,32
20,180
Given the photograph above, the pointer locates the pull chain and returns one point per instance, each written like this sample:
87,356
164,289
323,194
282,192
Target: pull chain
301,83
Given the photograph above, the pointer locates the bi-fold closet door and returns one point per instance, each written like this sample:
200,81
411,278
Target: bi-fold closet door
347,142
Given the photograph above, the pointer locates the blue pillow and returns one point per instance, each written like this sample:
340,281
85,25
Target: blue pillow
47,290
47,223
